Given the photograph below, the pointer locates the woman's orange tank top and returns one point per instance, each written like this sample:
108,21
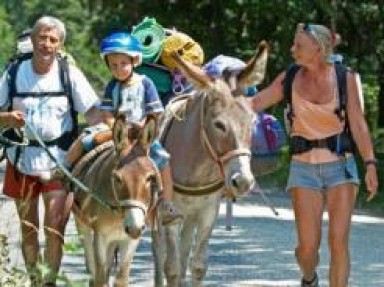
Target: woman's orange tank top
315,121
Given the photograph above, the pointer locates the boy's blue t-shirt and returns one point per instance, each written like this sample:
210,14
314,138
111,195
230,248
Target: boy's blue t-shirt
135,99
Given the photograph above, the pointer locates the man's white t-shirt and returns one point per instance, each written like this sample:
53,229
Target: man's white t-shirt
50,116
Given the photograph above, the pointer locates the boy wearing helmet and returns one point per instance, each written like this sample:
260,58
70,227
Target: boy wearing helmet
136,97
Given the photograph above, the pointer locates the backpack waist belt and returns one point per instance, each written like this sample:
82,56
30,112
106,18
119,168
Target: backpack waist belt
64,141
339,144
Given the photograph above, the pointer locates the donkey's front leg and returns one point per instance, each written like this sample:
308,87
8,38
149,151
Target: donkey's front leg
205,223
172,262
127,251
159,254
86,237
101,261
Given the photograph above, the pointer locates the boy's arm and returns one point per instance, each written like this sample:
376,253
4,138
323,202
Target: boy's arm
109,119
95,116
153,104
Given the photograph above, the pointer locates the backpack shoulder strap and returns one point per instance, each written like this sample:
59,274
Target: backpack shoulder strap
64,75
287,92
112,94
67,86
341,76
288,80
341,111
12,69
109,89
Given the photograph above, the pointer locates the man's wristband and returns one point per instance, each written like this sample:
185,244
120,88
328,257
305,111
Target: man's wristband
370,162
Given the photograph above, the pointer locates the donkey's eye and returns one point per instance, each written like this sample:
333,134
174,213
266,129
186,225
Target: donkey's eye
220,126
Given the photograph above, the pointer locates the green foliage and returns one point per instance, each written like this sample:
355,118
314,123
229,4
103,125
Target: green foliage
73,247
371,93
7,37
13,277
9,276
221,27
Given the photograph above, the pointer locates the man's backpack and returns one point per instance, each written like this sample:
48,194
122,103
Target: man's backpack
341,110
66,139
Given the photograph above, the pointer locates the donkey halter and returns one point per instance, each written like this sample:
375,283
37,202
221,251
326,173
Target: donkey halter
219,160
122,204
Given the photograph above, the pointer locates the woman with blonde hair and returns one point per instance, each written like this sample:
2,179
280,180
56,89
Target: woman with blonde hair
323,172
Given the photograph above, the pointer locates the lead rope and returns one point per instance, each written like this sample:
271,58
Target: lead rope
64,170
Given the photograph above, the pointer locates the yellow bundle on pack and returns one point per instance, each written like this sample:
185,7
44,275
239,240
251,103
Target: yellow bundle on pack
185,46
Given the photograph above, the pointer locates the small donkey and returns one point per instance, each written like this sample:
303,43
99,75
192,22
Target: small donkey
112,217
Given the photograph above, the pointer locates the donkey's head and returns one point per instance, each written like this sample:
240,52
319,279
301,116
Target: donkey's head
135,177
226,119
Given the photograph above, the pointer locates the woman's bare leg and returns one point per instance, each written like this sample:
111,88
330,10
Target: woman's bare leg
340,203
308,206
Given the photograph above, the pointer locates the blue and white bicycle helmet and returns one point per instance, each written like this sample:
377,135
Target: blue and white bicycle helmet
124,43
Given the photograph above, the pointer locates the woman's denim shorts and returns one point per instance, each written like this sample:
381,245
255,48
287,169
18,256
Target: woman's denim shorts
323,175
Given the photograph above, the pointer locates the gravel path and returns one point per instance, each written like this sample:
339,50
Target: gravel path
257,252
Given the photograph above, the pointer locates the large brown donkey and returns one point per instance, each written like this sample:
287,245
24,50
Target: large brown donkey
208,136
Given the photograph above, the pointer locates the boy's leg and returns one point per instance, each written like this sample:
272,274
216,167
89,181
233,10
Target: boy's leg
89,138
170,214
166,179
75,152
86,142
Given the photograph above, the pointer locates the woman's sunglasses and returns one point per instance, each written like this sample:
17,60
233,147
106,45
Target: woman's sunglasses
308,29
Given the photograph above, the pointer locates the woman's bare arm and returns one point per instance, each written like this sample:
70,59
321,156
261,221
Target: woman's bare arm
361,134
269,95
357,122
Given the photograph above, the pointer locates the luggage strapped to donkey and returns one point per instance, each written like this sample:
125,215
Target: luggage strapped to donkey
339,143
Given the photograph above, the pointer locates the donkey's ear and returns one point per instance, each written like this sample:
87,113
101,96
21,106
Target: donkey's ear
148,133
193,73
120,134
254,72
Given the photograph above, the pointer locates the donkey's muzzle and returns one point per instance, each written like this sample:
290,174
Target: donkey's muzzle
241,183
134,232
134,223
